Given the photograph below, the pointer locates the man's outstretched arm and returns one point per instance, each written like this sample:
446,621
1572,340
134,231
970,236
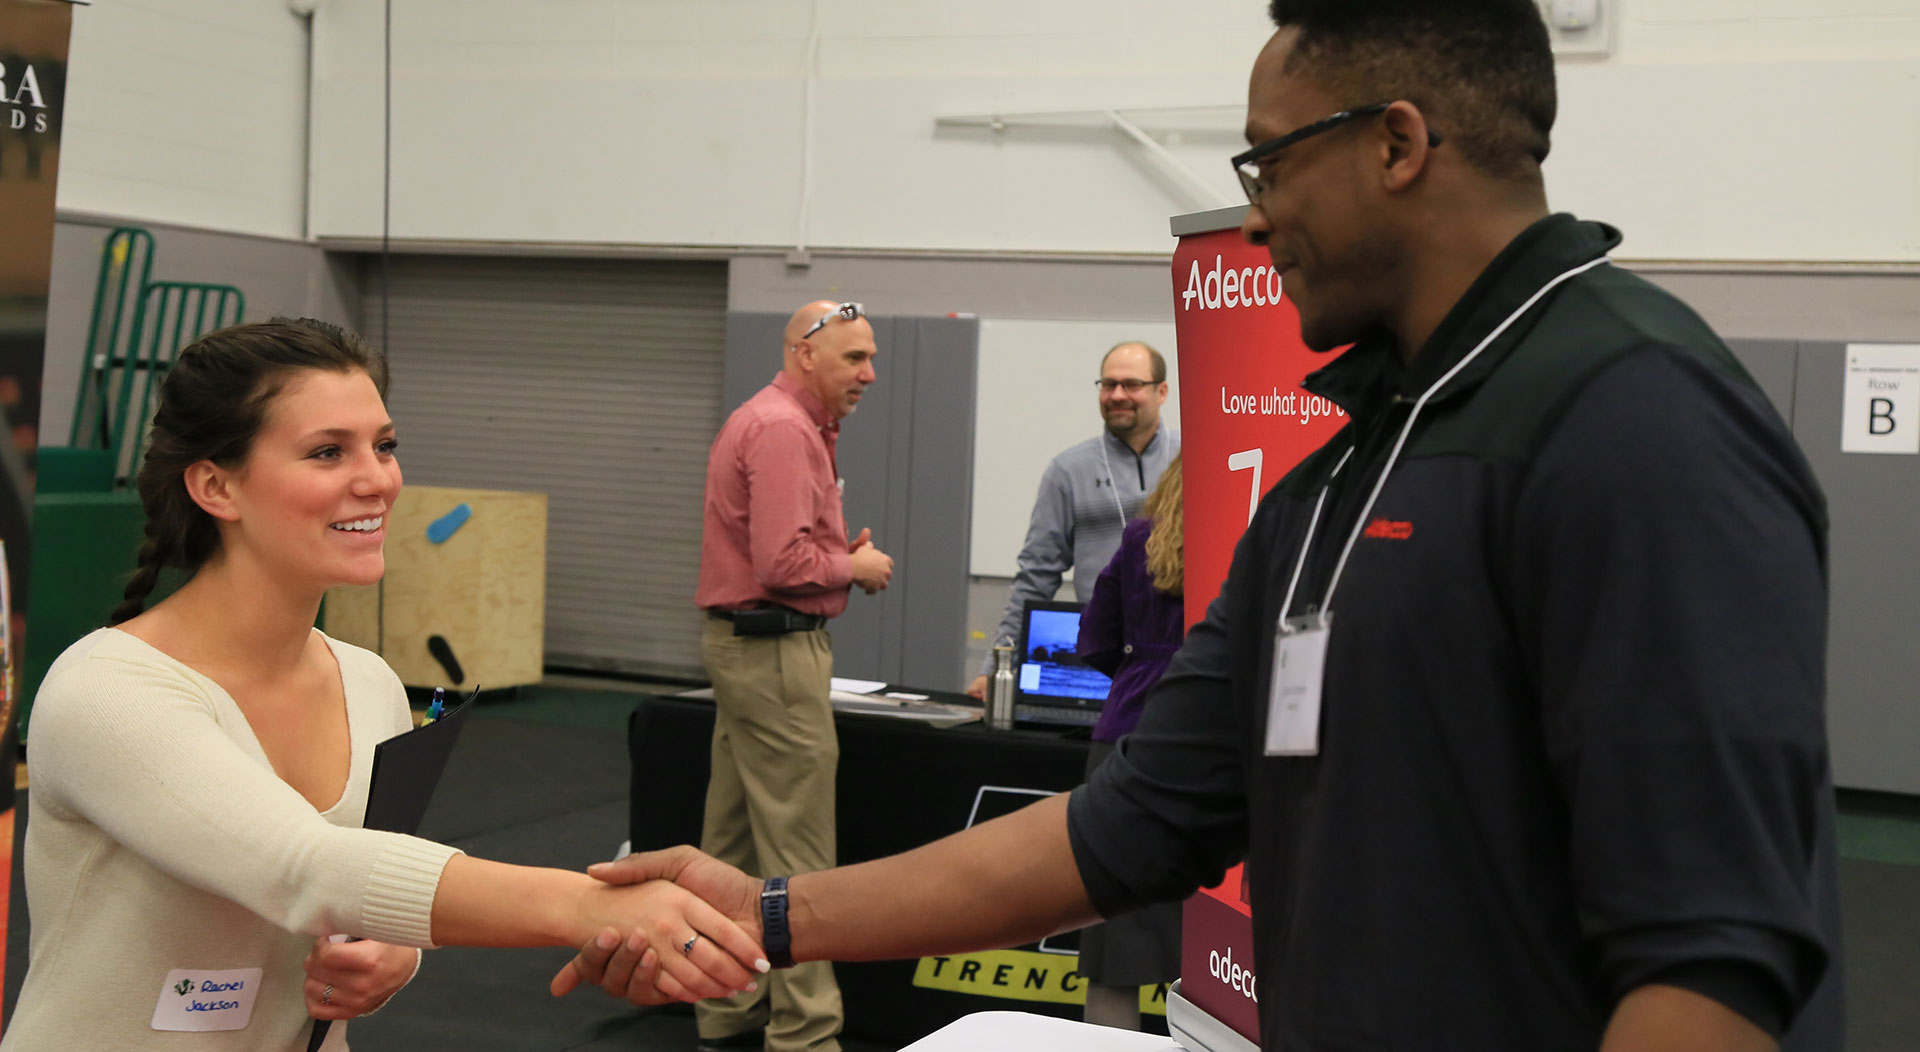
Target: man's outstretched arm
1164,815
1001,883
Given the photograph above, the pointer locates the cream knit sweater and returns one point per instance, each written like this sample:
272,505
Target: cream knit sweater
159,837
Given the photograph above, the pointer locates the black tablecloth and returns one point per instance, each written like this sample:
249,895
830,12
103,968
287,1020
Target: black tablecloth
901,784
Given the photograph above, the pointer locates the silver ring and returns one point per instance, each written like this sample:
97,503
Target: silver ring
687,947
326,996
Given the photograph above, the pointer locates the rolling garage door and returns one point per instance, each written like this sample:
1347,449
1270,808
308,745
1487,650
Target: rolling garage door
597,382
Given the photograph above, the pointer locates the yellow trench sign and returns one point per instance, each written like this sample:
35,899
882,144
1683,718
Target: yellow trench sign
1020,975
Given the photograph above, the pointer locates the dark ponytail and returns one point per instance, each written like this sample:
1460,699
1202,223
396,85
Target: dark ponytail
211,406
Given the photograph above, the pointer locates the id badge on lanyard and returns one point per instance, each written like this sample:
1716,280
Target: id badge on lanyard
1300,643
1293,695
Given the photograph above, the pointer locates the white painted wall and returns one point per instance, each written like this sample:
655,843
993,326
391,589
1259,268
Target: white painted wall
1035,398
1754,130
1745,130
680,121
191,112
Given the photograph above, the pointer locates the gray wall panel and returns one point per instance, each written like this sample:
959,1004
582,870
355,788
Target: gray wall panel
1873,666
933,287
864,641
1873,303
900,356
1772,363
753,356
941,481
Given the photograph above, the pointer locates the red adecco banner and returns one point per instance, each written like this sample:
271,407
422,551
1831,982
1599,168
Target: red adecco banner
1244,422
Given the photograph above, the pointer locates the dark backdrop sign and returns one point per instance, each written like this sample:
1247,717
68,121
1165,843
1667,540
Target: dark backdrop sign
33,89
33,82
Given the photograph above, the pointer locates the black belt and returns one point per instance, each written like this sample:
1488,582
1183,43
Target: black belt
769,621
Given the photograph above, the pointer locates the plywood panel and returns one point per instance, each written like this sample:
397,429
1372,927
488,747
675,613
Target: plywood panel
482,589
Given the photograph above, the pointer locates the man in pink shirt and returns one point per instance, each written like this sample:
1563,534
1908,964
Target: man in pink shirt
775,564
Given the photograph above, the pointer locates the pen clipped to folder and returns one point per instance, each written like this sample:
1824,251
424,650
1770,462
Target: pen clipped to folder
406,768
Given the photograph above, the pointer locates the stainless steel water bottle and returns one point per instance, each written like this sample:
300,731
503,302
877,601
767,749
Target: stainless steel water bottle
1000,688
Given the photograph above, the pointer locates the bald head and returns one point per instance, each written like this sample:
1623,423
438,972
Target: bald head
835,360
1155,361
804,318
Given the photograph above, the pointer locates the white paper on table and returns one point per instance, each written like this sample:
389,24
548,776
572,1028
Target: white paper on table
1025,1032
855,686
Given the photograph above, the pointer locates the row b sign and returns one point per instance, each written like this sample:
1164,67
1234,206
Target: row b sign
1881,408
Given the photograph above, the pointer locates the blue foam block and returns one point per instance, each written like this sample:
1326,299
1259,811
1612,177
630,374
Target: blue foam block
445,526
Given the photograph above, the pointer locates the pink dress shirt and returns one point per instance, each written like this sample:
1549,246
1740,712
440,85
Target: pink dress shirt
774,531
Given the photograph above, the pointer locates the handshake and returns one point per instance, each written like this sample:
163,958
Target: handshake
716,955
1000,883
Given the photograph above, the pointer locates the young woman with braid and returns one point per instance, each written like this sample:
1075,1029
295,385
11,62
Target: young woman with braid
200,768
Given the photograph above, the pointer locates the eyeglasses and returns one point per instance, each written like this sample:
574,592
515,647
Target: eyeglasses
1247,165
1131,386
849,311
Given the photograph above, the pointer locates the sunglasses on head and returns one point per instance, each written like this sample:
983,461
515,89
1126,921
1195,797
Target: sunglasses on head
849,311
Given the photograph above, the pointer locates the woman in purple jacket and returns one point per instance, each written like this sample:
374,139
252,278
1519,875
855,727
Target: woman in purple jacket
1129,630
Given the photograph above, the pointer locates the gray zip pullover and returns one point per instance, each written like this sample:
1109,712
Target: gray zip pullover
1086,497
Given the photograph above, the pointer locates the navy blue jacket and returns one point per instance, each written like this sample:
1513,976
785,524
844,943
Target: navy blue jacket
1572,738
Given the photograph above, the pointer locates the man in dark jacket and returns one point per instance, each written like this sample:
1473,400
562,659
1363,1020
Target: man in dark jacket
1512,699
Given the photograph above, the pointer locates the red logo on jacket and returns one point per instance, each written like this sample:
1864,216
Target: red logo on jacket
1389,530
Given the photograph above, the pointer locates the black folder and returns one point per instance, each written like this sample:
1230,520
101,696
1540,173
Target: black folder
406,768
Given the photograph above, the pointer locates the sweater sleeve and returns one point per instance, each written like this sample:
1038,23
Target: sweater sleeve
138,751
1670,575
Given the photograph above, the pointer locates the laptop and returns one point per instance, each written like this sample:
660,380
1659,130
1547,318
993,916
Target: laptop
1052,685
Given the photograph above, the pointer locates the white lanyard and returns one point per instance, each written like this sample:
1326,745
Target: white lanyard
1113,488
1360,524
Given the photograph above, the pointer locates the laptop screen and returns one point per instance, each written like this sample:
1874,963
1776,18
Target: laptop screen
1051,673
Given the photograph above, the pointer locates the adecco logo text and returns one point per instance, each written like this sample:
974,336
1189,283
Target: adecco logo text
1221,967
1226,287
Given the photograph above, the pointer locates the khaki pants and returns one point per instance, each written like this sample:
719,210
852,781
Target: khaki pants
770,810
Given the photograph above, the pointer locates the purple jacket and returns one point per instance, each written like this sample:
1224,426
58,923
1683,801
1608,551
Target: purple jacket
1129,631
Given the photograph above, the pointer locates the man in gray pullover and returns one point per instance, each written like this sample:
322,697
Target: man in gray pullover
1090,490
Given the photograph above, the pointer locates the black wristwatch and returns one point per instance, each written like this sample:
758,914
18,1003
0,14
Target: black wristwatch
774,933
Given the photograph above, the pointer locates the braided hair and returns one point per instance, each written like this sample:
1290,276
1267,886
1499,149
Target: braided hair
211,405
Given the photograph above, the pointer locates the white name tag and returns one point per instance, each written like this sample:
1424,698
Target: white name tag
1293,698
198,1000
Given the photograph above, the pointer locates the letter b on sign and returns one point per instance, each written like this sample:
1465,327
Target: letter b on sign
1879,416
1880,411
